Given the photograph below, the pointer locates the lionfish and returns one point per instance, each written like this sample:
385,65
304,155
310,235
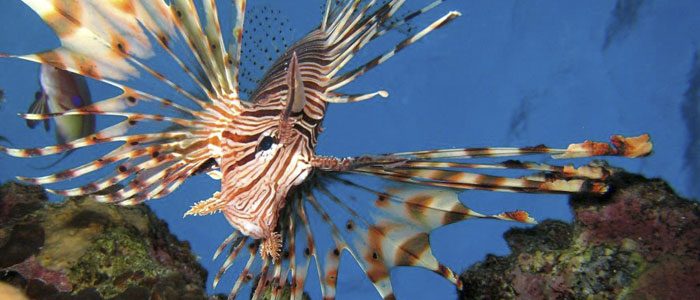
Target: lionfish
275,189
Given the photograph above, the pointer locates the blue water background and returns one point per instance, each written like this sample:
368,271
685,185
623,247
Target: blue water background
507,73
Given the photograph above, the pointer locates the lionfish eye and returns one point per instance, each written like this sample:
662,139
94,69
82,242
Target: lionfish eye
266,143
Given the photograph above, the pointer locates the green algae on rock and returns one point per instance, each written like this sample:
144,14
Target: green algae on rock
641,241
83,249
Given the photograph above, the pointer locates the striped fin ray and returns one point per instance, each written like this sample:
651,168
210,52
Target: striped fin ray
262,273
236,246
620,146
364,22
307,250
188,21
467,180
285,267
431,168
328,8
134,117
567,171
328,264
245,275
216,44
351,36
383,229
410,16
166,181
108,134
125,151
340,23
263,280
131,99
163,170
154,164
136,159
235,49
342,80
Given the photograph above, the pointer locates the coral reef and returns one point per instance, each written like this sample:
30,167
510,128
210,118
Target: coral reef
640,241
81,249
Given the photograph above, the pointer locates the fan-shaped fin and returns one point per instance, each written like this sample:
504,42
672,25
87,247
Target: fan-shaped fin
388,231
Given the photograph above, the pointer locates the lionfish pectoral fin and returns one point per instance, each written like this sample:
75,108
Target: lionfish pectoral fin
39,106
206,207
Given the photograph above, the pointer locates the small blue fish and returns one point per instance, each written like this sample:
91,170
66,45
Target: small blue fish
62,91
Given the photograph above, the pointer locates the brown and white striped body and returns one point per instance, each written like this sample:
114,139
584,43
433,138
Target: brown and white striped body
265,153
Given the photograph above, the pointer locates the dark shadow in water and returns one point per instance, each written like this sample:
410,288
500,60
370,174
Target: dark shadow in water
521,116
624,17
691,115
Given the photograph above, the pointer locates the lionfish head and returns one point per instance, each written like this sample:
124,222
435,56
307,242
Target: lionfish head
264,155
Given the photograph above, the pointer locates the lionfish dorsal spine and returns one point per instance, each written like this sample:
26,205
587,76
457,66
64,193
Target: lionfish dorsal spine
296,97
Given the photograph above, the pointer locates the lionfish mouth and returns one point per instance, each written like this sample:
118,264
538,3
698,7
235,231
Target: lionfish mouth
381,209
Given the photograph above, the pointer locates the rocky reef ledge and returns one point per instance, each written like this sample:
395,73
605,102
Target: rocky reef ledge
640,241
81,249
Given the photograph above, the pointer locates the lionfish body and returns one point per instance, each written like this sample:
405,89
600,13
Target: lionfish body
275,190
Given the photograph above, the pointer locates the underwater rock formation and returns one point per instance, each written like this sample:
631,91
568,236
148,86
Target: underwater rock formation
641,241
81,249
